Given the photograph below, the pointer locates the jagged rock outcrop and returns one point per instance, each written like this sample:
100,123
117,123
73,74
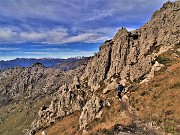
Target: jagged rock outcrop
131,54
70,98
64,104
98,66
90,111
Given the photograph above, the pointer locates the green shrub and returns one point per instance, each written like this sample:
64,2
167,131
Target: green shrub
170,129
163,60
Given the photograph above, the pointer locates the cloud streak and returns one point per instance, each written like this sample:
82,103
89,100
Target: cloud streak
51,21
54,36
8,49
77,12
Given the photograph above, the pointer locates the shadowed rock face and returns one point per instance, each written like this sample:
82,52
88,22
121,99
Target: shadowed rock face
128,56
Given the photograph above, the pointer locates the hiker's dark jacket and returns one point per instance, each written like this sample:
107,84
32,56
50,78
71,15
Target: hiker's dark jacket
120,88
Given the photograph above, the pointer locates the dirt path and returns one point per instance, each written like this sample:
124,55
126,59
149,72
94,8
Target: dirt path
137,127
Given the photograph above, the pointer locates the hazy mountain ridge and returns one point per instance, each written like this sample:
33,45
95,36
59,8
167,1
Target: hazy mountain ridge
47,62
88,91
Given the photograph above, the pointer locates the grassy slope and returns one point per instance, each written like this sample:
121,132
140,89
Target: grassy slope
66,126
14,118
159,100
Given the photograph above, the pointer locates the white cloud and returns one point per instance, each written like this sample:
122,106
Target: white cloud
85,37
130,28
99,14
33,36
57,36
7,34
72,13
54,36
8,49
55,10
75,11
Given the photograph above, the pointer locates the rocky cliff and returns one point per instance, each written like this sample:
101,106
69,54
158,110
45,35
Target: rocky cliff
132,54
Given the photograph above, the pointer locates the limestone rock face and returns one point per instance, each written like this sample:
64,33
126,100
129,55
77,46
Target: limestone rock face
137,49
98,66
130,54
155,67
90,111
64,104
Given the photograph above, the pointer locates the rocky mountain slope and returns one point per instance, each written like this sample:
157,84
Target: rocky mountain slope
70,65
36,81
85,97
24,90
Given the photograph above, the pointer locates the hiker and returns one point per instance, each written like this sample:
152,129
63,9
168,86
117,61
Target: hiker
119,89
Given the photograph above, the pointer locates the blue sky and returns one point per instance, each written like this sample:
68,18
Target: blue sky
66,28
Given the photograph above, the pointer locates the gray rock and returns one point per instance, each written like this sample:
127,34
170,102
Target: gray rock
90,111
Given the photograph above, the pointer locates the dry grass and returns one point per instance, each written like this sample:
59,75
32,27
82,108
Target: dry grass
113,115
14,118
68,125
159,100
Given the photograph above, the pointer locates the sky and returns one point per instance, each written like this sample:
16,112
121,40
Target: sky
66,28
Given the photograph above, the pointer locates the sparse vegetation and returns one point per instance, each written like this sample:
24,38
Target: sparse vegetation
67,126
161,103
163,60
14,118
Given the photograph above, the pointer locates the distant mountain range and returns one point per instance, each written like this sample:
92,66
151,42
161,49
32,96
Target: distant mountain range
47,62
